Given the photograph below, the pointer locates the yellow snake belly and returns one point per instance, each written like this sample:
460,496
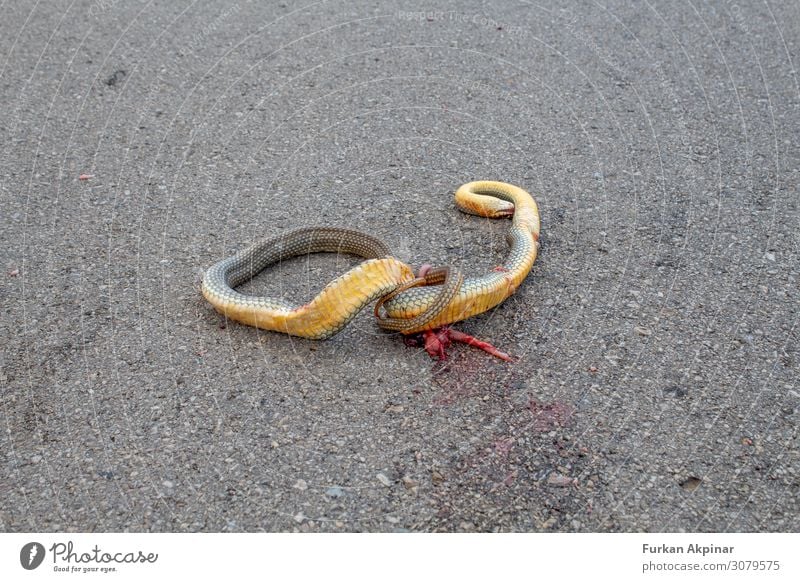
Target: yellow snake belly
328,312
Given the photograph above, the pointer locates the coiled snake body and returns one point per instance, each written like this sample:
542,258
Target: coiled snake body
403,308
477,294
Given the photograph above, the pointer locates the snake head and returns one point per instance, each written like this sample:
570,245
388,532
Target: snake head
483,204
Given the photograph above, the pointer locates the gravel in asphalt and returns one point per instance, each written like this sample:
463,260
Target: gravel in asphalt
655,387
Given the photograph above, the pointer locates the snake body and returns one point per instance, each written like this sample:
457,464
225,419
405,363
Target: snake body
477,294
447,299
332,308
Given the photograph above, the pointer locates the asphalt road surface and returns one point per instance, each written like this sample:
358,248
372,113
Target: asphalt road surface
656,339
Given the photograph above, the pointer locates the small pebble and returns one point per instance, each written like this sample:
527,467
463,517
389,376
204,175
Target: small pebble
383,479
409,483
334,491
559,480
691,483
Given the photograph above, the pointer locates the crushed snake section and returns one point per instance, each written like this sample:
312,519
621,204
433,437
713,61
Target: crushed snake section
477,294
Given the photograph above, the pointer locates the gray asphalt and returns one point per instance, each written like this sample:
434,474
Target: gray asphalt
656,338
